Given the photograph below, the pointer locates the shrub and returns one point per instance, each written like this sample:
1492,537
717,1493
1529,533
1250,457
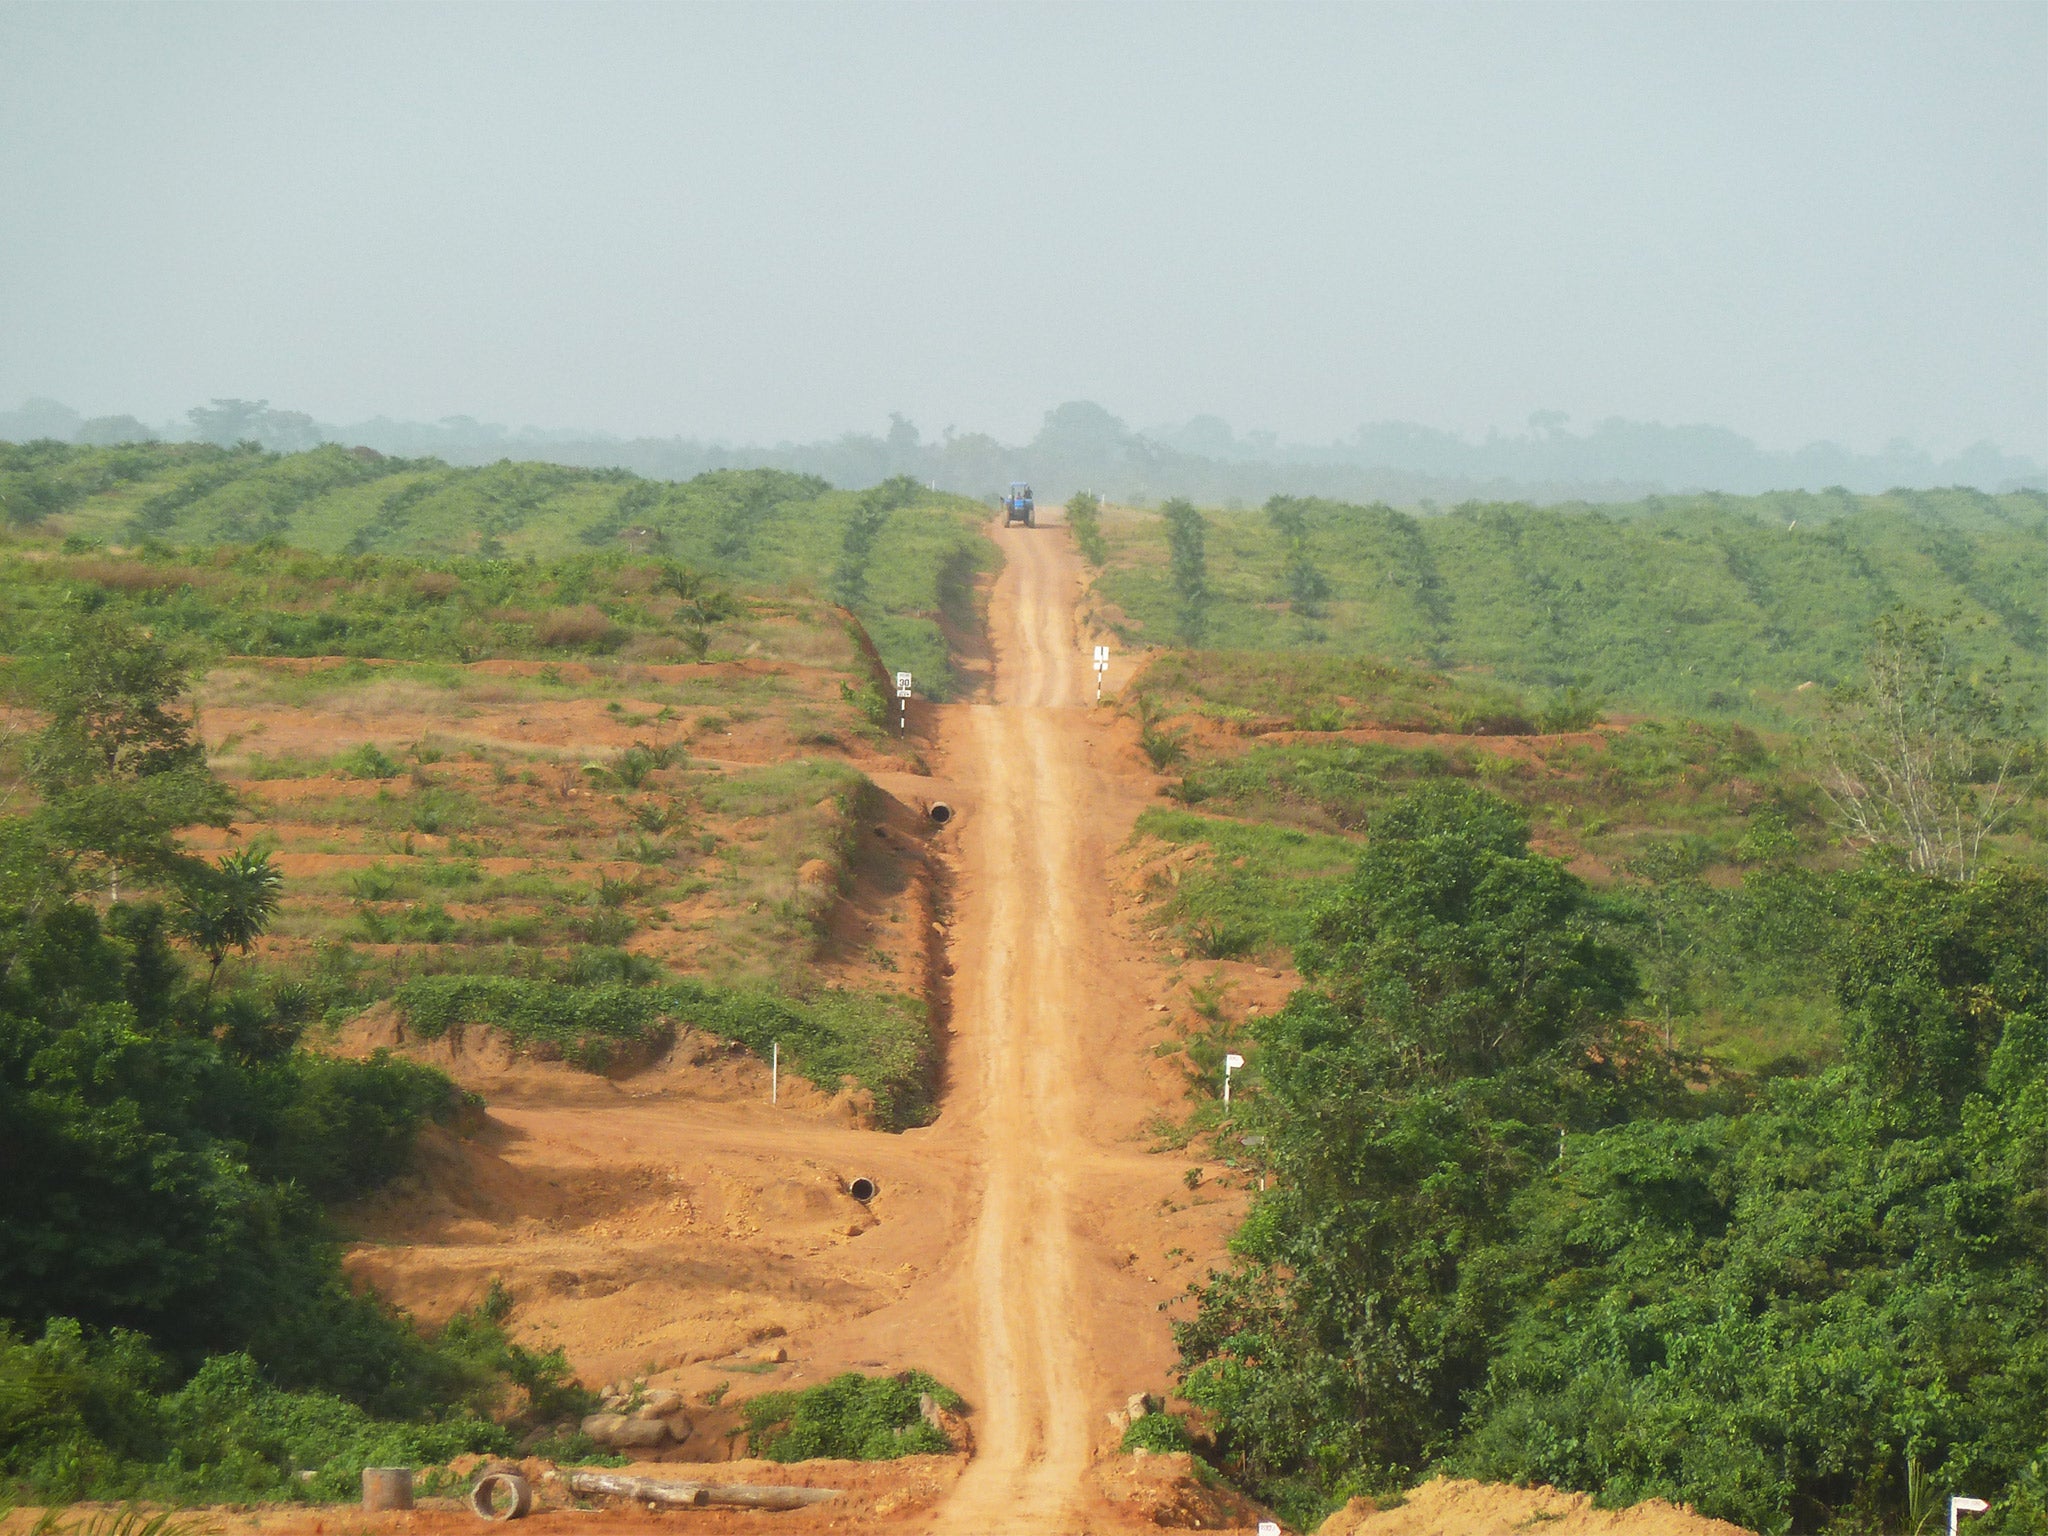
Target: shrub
1158,1432
851,1417
367,761
101,1416
587,1026
582,628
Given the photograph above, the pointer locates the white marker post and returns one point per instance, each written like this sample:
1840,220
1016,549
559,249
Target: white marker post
903,700
1959,1506
775,1072
1101,666
1231,1062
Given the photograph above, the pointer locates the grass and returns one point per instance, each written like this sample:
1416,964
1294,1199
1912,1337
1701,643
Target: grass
1264,691
1252,890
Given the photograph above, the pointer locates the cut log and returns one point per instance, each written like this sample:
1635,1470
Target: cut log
766,1495
643,1490
650,1490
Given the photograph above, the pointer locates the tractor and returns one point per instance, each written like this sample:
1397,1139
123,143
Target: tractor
1018,506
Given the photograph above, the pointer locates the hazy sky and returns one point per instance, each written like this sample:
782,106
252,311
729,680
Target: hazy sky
759,222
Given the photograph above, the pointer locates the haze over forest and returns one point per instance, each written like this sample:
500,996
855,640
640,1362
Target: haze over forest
1082,446
1507,241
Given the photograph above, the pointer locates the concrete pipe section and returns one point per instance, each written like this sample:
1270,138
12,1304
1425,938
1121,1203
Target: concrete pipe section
501,1496
863,1189
387,1488
940,812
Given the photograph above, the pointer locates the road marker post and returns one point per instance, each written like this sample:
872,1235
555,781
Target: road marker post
903,701
1101,666
1231,1062
774,1071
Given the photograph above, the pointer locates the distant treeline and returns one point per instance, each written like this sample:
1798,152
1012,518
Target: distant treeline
1081,446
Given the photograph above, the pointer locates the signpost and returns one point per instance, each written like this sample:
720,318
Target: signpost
1231,1063
1959,1506
1101,666
903,701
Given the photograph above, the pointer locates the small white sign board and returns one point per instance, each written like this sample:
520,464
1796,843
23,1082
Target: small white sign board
1233,1061
1102,658
902,685
1269,1528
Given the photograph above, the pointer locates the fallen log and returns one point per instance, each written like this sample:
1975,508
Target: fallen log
766,1495
643,1490
651,1490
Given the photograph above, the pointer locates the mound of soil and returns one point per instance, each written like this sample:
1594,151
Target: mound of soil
1168,1491
1455,1507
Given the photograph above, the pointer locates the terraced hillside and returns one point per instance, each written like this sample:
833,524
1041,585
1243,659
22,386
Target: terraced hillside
904,560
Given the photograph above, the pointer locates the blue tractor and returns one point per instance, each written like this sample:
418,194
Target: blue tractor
1018,506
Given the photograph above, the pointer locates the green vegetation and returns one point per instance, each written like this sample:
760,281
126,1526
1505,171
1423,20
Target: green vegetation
1714,605
851,1417
1708,840
1187,567
96,1416
1084,516
1253,891
878,1041
173,1316
1508,1232
1159,1433
410,558
1265,691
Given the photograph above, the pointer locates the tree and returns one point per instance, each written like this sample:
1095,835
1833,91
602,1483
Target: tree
850,576
118,763
1459,1020
229,907
1306,586
1188,564
1926,755
230,423
701,603
1084,517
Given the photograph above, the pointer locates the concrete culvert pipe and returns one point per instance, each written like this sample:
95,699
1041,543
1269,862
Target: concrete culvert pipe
940,812
501,1496
862,1189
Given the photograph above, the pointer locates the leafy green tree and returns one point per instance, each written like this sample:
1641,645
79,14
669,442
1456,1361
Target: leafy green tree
701,602
229,906
118,763
1305,585
1788,1316
1188,565
1464,1014
1084,516
1927,755
850,576
1506,1237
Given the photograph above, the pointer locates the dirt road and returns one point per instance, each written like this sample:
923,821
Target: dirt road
1025,951
1023,1245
